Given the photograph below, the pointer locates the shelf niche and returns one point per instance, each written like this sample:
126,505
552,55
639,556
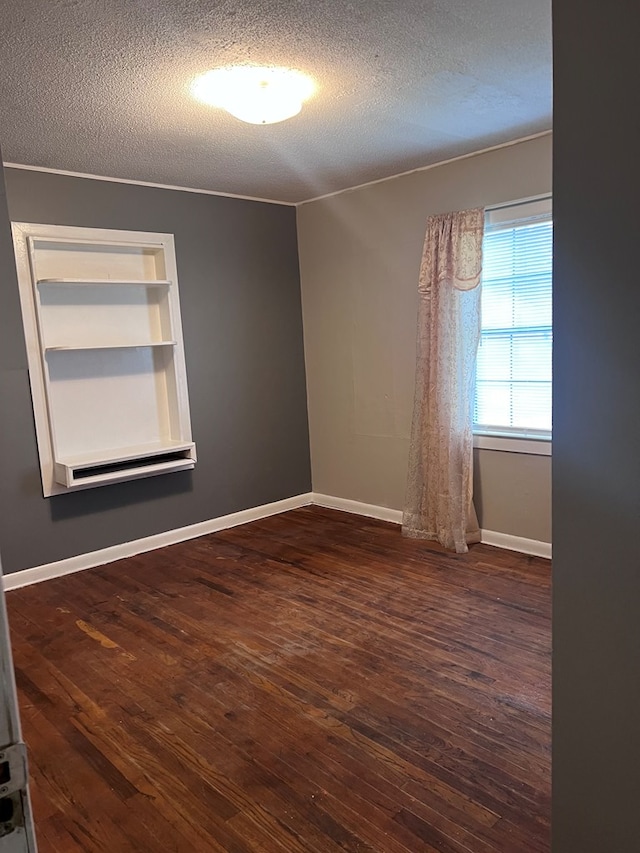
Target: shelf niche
101,313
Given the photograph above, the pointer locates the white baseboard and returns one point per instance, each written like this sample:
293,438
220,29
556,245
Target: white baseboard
489,537
357,508
516,543
149,543
181,534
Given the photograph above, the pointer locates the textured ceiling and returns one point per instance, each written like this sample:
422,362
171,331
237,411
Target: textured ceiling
101,87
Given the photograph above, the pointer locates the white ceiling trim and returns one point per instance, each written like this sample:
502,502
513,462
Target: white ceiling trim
92,177
430,166
143,183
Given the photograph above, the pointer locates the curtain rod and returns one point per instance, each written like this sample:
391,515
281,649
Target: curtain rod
532,198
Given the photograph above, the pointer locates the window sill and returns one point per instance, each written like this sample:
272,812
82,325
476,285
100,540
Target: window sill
513,444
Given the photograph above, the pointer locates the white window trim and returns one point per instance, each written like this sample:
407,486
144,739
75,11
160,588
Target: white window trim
529,208
486,438
532,446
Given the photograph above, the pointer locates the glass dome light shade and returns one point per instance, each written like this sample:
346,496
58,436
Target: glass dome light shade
257,95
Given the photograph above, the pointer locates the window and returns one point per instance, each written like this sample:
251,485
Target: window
513,369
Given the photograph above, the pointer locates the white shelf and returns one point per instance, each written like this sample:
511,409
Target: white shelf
132,472
106,360
125,463
79,347
125,454
92,282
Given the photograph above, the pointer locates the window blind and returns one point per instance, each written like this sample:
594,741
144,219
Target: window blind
513,369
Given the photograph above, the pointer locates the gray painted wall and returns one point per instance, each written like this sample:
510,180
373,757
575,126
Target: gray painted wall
596,466
241,314
360,256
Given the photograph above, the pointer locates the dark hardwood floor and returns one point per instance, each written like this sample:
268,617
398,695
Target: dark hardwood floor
310,682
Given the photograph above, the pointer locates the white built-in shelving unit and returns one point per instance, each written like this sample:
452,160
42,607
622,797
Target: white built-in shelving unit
101,312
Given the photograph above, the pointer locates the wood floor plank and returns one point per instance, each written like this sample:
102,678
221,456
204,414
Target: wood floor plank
308,682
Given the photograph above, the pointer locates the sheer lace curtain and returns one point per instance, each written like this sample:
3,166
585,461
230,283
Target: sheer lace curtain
440,481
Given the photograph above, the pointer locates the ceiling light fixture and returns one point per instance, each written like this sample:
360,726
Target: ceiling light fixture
258,95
